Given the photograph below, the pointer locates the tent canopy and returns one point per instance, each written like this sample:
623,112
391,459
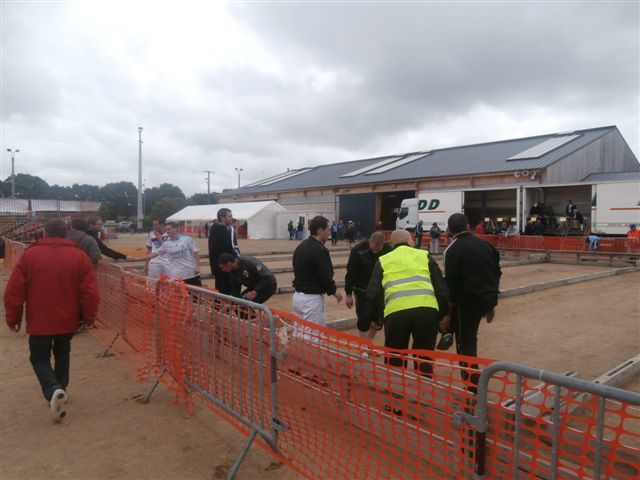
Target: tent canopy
260,216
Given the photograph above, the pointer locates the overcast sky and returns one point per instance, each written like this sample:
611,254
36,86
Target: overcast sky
266,86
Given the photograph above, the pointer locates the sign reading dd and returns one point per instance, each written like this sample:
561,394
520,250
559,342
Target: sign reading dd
432,205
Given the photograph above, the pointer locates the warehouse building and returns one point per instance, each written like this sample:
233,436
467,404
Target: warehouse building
486,180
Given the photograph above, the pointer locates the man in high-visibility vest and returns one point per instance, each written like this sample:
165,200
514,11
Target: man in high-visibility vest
415,297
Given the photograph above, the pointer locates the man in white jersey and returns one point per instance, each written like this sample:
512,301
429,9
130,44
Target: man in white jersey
183,258
156,237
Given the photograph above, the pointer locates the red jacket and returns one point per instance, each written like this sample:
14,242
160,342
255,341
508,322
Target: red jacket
56,280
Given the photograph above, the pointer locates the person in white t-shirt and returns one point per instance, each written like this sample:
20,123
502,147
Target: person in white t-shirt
156,237
183,257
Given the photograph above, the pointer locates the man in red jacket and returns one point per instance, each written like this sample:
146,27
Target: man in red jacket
55,278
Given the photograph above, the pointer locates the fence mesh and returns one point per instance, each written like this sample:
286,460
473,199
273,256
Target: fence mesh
331,406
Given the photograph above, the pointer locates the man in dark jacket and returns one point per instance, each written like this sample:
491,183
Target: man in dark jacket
415,297
260,283
56,281
94,227
313,276
472,271
362,258
222,239
86,242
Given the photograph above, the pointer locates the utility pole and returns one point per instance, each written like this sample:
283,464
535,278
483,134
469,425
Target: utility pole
140,178
13,171
208,172
239,170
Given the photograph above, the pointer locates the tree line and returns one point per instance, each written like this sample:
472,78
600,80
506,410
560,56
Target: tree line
119,200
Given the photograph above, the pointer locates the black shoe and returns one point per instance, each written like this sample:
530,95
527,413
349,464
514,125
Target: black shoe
446,340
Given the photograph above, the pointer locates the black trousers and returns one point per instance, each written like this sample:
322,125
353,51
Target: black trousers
195,281
420,323
465,321
223,282
40,347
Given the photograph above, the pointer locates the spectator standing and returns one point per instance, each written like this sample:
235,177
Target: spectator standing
419,233
434,234
291,229
633,232
409,284
155,238
183,257
222,239
300,229
362,258
94,229
313,275
206,230
252,273
351,232
570,209
577,216
86,242
479,229
472,273
334,233
56,281
341,230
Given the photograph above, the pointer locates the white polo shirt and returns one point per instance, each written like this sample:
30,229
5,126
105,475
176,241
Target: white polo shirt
179,256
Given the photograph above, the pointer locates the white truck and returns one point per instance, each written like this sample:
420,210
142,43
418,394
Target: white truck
429,207
614,206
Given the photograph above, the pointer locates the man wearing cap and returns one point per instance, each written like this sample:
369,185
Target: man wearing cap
409,283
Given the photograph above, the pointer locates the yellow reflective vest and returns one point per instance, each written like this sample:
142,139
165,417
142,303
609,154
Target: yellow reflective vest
406,280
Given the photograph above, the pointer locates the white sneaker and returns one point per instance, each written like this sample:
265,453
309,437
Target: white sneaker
57,405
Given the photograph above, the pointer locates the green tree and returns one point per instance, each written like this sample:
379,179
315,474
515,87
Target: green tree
119,200
167,206
202,199
86,192
60,192
165,190
27,186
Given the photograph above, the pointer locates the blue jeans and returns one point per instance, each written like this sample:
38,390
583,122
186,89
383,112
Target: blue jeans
51,379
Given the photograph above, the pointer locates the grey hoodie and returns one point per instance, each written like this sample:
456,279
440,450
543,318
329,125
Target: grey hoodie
86,243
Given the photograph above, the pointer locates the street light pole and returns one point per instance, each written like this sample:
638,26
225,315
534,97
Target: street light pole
13,171
239,170
208,172
140,178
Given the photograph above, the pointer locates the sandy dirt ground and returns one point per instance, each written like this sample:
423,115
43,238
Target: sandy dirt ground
588,327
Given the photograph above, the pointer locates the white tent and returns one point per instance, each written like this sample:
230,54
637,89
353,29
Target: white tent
260,217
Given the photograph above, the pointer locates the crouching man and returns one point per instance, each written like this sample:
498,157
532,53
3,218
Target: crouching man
55,279
250,272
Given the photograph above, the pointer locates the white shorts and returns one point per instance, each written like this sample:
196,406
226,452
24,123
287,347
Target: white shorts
309,307
156,269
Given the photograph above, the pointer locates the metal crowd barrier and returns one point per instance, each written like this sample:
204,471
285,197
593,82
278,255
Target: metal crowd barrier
330,406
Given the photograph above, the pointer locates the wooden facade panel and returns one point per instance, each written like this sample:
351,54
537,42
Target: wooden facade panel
609,153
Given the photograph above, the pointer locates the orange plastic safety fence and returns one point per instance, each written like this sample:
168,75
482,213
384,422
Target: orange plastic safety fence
335,406
533,436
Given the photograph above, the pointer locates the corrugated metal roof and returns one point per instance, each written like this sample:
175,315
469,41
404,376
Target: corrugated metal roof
612,177
446,162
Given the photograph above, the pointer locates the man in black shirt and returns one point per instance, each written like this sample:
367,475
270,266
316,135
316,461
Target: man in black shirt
313,275
222,239
472,272
94,227
252,273
362,258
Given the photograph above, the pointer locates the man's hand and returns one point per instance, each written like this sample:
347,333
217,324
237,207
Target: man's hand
338,296
349,301
16,327
250,295
444,324
490,315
